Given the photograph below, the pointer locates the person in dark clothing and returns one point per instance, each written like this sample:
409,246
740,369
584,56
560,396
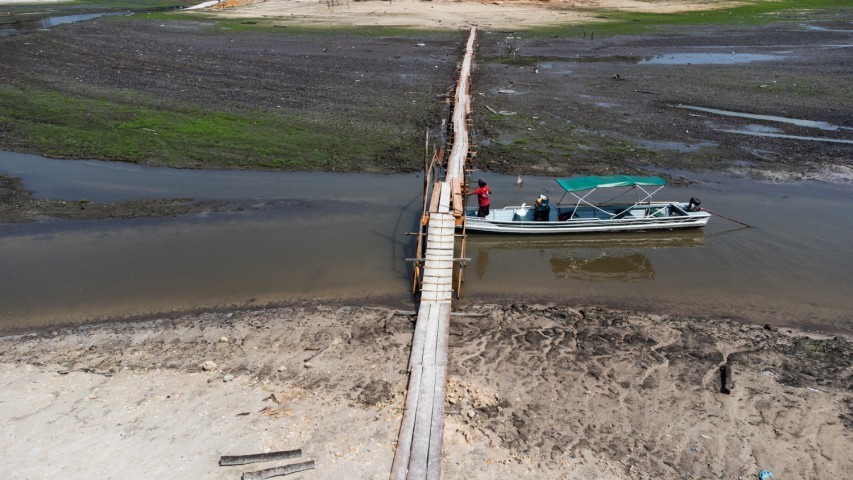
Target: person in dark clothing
483,192
541,209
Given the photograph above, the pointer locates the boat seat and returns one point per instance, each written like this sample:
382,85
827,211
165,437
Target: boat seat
623,213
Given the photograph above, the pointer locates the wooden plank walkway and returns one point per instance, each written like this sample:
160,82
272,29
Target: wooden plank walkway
418,453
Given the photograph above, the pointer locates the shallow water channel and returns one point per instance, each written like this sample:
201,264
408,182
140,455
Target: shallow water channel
50,22
341,237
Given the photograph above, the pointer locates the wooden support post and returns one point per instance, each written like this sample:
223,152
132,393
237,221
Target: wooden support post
460,276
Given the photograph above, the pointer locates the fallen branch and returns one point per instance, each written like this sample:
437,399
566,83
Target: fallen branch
258,457
647,93
278,471
311,357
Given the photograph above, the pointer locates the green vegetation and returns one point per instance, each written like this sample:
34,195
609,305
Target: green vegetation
103,5
31,12
128,129
626,23
282,26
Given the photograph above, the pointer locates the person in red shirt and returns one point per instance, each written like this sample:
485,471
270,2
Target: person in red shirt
482,193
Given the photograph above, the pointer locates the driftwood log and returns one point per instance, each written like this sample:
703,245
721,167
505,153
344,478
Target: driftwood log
258,457
278,471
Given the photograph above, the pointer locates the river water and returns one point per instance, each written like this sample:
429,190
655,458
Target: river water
341,238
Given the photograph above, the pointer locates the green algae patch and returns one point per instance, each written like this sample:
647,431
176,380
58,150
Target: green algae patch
61,126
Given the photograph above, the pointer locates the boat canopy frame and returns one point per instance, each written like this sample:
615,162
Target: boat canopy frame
592,183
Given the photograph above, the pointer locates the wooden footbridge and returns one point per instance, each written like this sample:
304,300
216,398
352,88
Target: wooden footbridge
418,453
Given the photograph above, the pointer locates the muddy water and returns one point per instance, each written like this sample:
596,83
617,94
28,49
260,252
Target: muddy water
339,237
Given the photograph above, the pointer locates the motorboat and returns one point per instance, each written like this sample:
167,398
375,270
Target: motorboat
583,213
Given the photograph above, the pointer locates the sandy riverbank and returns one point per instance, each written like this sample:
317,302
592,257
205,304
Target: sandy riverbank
452,15
535,392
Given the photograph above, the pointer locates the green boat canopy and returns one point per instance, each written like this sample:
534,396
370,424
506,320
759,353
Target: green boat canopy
574,184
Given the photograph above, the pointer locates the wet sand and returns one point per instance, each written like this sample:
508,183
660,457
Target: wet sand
534,392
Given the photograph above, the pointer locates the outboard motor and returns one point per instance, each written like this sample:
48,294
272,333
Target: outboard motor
693,205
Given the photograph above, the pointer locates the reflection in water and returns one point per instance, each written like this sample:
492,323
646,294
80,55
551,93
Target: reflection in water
591,258
637,240
481,262
605,267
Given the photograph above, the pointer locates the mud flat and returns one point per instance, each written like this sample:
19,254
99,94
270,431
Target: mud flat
18,205
534,392
279,92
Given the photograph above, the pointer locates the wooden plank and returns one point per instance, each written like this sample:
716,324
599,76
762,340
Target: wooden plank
227,460
439,236
407,427
434,198
438,275
431,336
444,222
437,288
430,297
436,437
456,188
444,204
278,471
419,339
443,337
423,425
441,218
440,266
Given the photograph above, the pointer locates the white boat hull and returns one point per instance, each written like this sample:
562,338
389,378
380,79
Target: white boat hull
630,218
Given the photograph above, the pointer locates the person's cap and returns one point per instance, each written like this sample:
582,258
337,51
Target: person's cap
543,197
